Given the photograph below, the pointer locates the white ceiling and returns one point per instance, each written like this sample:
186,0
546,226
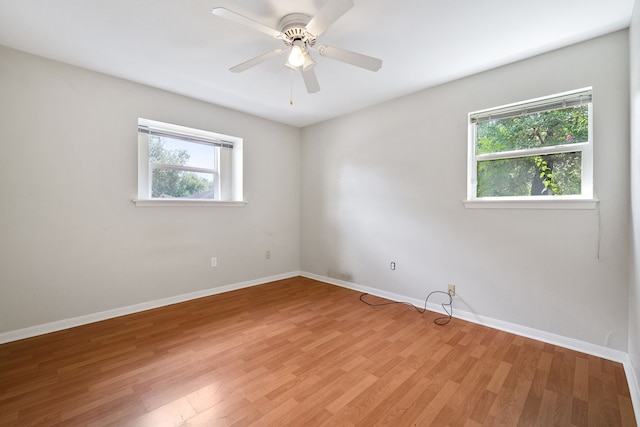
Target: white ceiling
179,46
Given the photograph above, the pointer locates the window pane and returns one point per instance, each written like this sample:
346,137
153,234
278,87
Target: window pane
555,174
176,152
168,183
548,128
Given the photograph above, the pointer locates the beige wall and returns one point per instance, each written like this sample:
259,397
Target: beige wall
387,184
634,287
71,240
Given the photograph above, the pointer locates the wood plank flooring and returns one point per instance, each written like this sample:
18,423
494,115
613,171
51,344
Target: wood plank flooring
298,352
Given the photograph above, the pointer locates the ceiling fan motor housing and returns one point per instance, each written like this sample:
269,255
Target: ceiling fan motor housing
293,28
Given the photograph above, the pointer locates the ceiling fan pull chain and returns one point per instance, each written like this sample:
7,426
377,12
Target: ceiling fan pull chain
291,93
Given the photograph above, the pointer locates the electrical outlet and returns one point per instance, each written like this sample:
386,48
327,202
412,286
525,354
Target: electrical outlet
267,255
214,262
452,290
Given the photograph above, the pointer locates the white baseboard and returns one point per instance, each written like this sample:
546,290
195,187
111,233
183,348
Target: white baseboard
550,338
122,311
634,386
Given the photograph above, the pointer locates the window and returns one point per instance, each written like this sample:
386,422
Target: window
181,164
534,151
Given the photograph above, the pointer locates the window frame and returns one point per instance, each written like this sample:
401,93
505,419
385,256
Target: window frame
227,175
585,200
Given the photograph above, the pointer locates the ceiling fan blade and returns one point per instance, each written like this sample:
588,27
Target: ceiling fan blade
257,60
310,79
353,58
247,22
327,15
309,74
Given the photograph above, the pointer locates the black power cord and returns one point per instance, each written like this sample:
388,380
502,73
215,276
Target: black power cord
441,321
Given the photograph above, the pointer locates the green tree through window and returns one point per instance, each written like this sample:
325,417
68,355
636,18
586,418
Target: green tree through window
532,175
168,182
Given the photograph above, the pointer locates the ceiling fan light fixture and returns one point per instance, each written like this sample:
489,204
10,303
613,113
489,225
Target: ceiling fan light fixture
297,57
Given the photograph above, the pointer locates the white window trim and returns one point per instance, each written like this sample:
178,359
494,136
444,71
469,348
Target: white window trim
541,202
144,169
187,202
586,200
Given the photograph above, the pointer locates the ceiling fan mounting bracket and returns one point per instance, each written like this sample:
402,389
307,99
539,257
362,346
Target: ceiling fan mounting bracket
293,28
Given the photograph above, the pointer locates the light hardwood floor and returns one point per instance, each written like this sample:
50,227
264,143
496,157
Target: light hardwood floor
298,352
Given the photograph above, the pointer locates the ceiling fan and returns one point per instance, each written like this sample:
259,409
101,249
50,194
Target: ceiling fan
299,33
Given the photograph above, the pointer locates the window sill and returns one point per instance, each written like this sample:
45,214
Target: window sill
183,202
569,204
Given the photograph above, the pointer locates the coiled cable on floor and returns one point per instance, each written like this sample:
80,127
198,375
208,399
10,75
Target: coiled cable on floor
441,321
